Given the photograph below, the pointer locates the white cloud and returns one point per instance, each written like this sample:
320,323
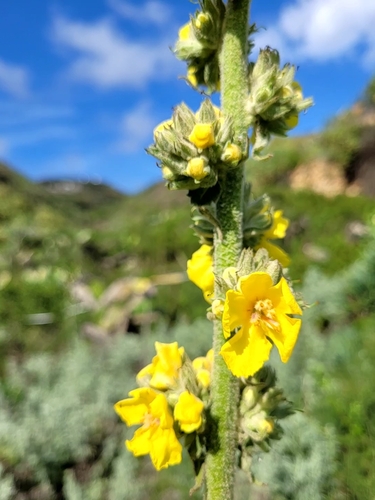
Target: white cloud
15,113
107,59
14,79
136,129
152,12
33,136
322,30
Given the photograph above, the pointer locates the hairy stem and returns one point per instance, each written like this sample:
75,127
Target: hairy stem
220,463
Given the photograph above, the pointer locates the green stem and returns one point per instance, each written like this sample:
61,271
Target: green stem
220,463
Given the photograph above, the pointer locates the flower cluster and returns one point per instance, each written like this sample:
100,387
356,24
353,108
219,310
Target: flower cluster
260,226
262,405
169,405
193,148
258,309
275,100
198,43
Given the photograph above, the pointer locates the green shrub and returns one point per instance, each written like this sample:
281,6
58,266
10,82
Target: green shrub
341,139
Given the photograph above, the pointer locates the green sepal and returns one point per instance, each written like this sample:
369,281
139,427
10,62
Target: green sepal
206,113
183,119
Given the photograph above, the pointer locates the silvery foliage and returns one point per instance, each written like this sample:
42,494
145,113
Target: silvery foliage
55,409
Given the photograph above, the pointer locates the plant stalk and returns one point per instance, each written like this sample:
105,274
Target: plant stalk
220,463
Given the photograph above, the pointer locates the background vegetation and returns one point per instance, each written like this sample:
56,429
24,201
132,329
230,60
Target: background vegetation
89,278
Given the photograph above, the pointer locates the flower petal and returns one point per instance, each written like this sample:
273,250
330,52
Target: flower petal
160,410
287,338
200,271
132,410
140,444
275,252
188,411
255,287
246,352
165,449
279,226
293,307
235,311
167,362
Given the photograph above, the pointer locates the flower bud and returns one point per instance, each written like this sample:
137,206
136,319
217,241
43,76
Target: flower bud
291,120
168,175
201,19
197,168
232,154
202,135
217,308
249,398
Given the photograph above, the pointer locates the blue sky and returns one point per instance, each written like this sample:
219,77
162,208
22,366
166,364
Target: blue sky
83,83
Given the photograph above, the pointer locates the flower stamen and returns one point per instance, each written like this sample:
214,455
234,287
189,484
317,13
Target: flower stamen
264,315
150,421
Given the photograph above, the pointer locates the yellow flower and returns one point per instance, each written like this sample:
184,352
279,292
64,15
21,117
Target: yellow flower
277,231
202,367
184,32
156,436
260,311
202,135
197,168
200,272
279,226
188,412
162,373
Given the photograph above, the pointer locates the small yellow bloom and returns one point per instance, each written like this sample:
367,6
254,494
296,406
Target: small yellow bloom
202,135
200,271
202,367
156,436
197,168
184,32
260,311
163,372
232,154
188,412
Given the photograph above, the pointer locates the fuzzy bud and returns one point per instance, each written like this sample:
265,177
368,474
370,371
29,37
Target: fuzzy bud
232,154
197,168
